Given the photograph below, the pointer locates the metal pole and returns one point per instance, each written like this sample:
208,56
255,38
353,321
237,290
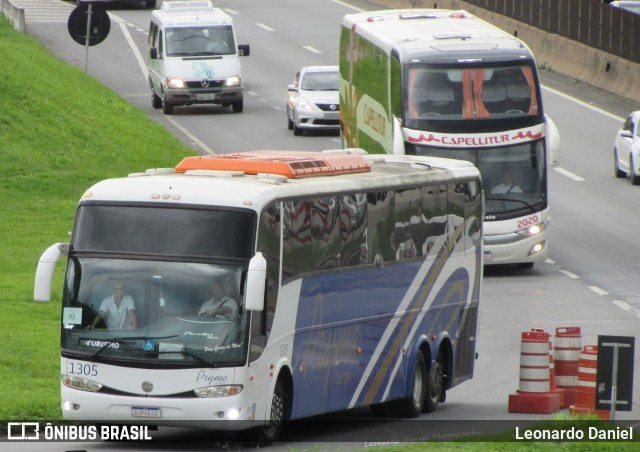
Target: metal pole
614,384
86,38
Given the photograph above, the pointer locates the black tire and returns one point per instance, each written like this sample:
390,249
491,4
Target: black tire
413,405
156,101
525,265
616,169
238,106
271,431
167,108
381,409
297,131
635,179
289,122
435,391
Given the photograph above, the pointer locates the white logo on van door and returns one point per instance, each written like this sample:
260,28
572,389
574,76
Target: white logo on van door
200,68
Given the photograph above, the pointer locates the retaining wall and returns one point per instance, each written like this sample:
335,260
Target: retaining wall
15,15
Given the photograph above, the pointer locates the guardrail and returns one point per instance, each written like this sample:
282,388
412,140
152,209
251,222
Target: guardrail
15,15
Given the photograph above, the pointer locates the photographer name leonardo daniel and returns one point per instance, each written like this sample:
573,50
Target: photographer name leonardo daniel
572,433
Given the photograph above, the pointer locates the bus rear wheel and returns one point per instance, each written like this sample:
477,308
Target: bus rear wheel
435,388
413,405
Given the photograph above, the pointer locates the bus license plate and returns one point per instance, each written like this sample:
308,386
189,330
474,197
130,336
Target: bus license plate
205,96
143,411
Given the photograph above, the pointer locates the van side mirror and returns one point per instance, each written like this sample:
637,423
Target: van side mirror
256,277
244,49
153,53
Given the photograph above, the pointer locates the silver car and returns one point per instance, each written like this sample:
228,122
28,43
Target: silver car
313,100
626,151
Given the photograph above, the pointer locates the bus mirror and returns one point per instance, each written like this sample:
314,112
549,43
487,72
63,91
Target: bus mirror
254,298
44,272
553,141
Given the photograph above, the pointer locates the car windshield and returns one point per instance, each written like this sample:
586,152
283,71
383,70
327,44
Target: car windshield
320,81
194,41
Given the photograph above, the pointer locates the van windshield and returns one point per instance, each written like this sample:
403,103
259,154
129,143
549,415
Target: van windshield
193,41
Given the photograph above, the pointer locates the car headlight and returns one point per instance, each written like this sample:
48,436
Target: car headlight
175,83
232,82
304,104
218,391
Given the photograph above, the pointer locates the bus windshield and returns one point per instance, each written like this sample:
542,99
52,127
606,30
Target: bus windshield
513,176
157,285
154,312
435,94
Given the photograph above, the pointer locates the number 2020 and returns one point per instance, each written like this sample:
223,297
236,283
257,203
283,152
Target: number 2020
528,221
83,369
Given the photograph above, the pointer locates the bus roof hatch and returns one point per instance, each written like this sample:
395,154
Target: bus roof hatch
292,164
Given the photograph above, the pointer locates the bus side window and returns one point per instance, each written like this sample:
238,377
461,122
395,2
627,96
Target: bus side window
380,208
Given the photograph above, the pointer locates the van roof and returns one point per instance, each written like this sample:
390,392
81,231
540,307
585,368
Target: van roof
197,12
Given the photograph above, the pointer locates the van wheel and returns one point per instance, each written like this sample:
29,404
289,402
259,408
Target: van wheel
156,101
167,108
238,106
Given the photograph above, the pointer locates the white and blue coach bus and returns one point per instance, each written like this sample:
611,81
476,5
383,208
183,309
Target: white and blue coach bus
356,277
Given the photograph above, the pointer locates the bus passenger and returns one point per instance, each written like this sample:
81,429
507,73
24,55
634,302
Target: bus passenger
219,304
117,310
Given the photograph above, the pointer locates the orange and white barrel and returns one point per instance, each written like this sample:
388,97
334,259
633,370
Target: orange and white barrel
567,348
534,362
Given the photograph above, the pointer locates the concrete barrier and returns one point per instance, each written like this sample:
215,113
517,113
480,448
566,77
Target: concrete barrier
15,15
553,52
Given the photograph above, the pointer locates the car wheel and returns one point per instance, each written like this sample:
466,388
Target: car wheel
289,122
156,101
167,108
616,167
297,131
635,179
238,106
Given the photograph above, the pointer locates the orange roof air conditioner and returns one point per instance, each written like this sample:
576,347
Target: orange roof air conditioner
291,164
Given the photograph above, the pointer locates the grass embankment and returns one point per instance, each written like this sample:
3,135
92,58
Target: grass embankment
60,132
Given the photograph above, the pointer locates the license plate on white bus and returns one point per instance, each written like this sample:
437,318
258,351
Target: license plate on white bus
144,411
205,96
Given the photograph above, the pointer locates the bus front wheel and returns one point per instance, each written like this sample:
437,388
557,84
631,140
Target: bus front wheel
272,430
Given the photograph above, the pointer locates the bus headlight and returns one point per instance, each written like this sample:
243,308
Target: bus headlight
81,383
532,230
232,82
175,83
218,391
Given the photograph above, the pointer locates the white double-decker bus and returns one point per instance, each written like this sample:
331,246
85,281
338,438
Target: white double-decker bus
356,280
446,83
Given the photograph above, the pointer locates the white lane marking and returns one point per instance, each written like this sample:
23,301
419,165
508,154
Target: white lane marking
312,49
569,174
349,6
569,274
264,27
627,308
584,104
598,290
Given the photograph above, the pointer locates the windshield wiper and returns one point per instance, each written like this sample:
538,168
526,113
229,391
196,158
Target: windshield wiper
127,338
193,355
513,200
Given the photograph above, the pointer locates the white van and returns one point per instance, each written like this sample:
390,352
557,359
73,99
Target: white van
193,56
